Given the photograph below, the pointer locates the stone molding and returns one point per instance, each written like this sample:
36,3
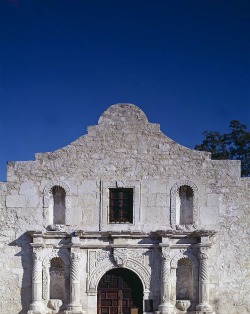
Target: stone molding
108,262
137,214
181,255
174,194
56,253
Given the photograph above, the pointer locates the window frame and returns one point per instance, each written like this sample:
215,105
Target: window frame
121,205
104,224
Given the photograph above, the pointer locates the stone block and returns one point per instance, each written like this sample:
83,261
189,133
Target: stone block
15,201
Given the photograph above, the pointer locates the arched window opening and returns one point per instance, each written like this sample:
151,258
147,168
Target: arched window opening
57,278
184,280
185,204
59,207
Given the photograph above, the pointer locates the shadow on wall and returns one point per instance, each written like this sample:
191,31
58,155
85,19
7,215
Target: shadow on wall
23,242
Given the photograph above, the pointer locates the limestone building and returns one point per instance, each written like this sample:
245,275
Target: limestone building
124,220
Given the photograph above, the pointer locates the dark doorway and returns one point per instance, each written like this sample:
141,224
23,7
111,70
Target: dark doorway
119,291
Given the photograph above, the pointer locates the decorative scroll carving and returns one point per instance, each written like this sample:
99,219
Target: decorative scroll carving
174,194
108,264
56,253
102,268
92,261
181,255
140,270
120,256
102,254
45,283
137,255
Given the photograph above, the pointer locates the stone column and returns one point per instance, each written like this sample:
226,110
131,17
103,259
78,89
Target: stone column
203,305
37,305
165,307
75,306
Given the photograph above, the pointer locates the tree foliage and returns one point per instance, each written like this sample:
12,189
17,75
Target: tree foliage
232,145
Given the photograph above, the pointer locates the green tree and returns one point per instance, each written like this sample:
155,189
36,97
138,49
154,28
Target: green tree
232,145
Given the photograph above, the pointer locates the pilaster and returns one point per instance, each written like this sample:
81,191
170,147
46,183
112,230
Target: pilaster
37,306
75,307
166,306
204,306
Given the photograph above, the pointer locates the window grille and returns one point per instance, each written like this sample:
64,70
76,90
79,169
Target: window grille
121,205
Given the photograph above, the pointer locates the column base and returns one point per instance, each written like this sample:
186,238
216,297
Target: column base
36,307
204,308
74,308
166,308
203,312
74,312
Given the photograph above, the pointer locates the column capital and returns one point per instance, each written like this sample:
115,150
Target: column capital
165,253
75,256
37,256
203,251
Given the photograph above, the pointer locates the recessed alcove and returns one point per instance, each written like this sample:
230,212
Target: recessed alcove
184,280
59,207
57,278
184,205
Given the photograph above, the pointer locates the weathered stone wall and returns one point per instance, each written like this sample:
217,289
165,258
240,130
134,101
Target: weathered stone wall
125,150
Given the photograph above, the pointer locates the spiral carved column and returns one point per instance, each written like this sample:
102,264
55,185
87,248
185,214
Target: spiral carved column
165,307
75,306
37,305
203,305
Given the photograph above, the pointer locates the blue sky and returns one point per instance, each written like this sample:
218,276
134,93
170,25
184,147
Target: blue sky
62,63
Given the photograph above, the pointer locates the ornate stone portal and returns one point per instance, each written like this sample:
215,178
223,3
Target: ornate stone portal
155,262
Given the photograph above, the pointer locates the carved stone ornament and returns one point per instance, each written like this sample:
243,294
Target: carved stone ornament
55,304
120,256
165,254
203,254
75,256
183,305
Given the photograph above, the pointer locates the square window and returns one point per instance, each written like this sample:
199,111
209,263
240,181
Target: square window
121,205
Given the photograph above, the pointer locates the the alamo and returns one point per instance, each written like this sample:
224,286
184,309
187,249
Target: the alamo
124,221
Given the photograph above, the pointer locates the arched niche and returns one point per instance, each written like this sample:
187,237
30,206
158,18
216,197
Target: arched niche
184,204
57,279
56,203
184,278
59,260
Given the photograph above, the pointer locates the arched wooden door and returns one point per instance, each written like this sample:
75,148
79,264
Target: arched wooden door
119,291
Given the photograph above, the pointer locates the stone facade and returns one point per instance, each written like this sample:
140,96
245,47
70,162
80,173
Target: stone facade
187,238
